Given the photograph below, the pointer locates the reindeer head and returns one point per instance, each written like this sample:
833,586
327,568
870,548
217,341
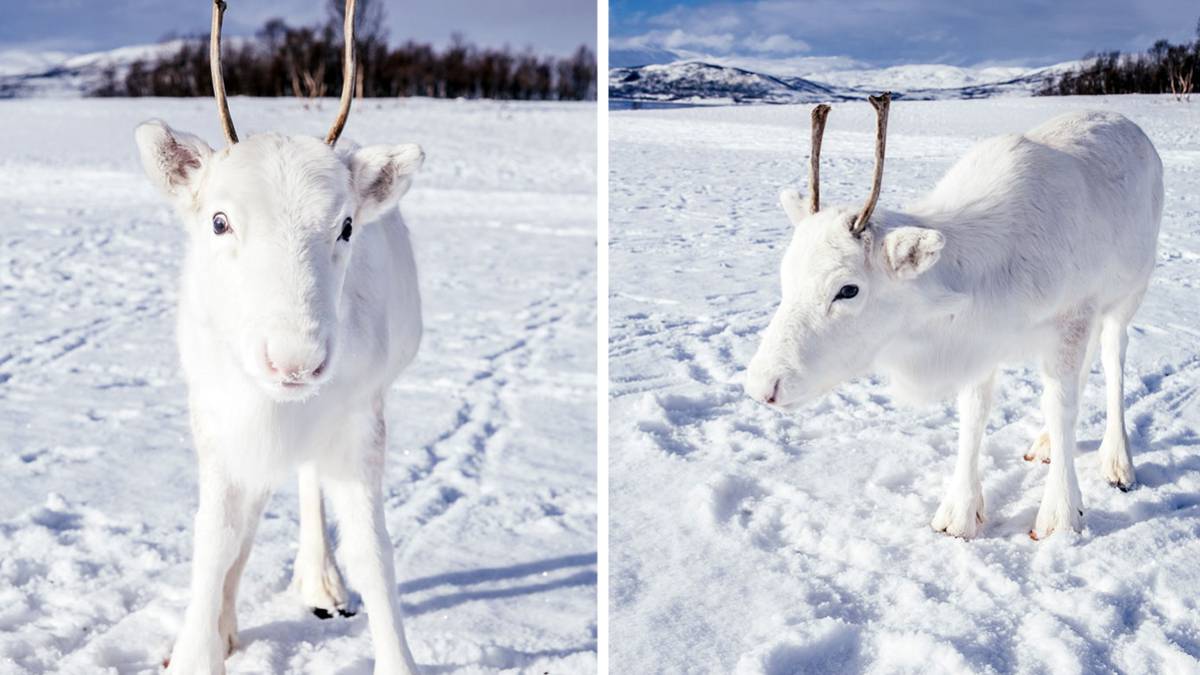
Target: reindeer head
847,284
271,223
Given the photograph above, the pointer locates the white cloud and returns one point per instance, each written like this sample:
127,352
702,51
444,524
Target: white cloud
791,66
775,44
676,39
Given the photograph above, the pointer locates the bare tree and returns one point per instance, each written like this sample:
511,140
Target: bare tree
305,62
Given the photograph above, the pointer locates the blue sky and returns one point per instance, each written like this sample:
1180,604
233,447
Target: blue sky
549,26
891,32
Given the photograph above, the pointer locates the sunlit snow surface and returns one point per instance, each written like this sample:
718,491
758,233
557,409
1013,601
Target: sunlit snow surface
748,541
491,477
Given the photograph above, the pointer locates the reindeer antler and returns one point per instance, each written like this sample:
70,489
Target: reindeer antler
819,114
881,104
347,77
214,59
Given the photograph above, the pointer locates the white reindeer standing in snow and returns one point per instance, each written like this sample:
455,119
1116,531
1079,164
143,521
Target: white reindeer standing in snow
1039,245
299,306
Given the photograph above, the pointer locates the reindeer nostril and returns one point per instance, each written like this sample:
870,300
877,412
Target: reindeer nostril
774,395
294,365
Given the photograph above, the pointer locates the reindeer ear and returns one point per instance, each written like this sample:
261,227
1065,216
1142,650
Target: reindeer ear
909,251
381,175
172,159
793,205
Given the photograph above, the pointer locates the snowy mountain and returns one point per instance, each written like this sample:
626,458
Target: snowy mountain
696,81
630,57
56,74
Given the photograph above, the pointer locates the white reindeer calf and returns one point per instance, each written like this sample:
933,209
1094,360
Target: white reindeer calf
299,306
1037,245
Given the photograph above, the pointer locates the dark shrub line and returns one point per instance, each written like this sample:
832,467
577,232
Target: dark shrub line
306,62
1165,68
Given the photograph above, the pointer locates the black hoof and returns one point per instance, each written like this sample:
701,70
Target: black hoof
321,613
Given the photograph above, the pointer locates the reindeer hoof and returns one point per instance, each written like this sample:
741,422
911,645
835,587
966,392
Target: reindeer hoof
322,613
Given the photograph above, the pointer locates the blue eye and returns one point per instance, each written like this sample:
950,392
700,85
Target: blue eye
347,230
846,292
220,224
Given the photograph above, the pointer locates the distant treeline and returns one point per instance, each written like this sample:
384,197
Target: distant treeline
1165,68
307,62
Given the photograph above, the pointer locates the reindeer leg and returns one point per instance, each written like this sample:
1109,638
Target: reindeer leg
227,623
1062,503
1039,450
961,512
224,519
353,485
1116,464
315,577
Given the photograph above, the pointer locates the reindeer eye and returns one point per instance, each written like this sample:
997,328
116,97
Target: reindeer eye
220,223
347,230
846,292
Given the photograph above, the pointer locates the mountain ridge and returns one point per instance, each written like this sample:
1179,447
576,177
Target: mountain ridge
696,81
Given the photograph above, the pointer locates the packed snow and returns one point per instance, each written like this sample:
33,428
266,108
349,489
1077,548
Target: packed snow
490,487
745,540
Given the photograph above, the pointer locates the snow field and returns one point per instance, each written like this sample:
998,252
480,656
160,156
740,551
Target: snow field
490,487
747,541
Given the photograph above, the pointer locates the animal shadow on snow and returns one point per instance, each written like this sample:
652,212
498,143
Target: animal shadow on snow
490,574
308,628
1150,476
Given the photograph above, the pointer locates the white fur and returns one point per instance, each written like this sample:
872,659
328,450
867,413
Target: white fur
1036,245
261,308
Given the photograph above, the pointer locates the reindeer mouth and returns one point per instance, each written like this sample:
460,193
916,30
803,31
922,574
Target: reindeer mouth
786,406
290,388
291,391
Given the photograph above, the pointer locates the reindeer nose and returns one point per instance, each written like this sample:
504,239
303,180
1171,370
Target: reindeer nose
774,395
296,362
763,387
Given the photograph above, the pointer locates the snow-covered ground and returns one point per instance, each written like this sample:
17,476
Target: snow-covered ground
491,498
743,540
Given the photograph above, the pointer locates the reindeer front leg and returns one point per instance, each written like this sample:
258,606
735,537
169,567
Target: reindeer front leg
225,520
1062,503
961,513
315,577
352,482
